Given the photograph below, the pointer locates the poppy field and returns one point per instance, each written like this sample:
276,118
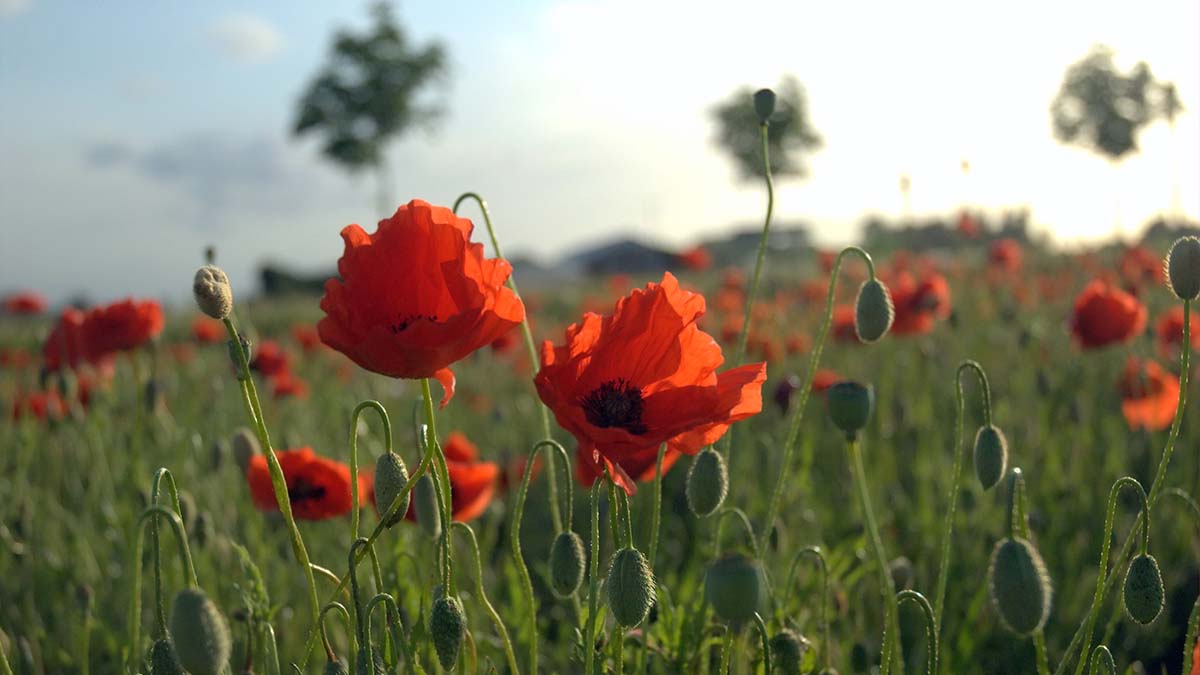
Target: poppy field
978,460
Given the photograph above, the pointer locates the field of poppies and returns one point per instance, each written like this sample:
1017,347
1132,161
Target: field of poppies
855,462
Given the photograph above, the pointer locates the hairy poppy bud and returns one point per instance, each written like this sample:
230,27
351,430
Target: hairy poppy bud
245,445
566,564
447,627
1183,268
1143,590
336,667
764,105
991,456
707,483
163,660
200,633
1019,585
873,311
391,477
629,587
425,507
212,291
850,405
735,588
787,652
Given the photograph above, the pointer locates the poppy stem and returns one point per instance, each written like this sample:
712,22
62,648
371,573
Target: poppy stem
819,555
509,654
726,650
745,521
589,646
655,517
160,609
814,361
387,432
891,624
931,636
338,607
765,638
1018,523
135,600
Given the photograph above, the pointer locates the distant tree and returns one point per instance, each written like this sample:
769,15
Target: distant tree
790,136
368,94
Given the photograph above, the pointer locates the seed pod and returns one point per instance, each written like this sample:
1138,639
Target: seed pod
566,564
447,627
1019,586
200,633
873,311
735,588
1183,268
1143,590
163,660
336,667
213,293
787,652
707,483
391,477
425,507
1102,662
850,405
245,445
764,105
991,456
629,587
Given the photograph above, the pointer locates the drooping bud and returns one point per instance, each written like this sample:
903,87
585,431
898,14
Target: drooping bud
764,105
1019,586
163,660
991,456
447,627
850,405
1144,590
213,293
735,587
629,587
707,483
200,633
1183,268
245,445
425,507
787,652
566,564
391,477
873,311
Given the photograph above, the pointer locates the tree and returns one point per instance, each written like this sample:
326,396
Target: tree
790,136
368,94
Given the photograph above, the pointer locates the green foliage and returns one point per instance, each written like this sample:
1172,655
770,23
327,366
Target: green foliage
791,136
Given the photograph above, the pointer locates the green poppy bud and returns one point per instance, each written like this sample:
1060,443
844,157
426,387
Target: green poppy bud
850,405
336,667
1020,586
566,564
991,456
200,633
447,627
873,311
163,660
1183,268
764,105
787,652
391,477
735,587
707,483
213,293
245,445
629,587
1144,590
425,507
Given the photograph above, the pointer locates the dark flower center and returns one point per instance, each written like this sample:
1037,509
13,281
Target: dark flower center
406,321
302,490
615,403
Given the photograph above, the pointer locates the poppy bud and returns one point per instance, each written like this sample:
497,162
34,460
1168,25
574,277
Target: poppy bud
629,587
1019,585
873,311
1183,268
245,445
850,405
212,291
707,483
163,660
764,105
1143,590
391,477
200,633
1102,662
336,667
991,456
447,627
787,652
566,564
425,507
829,671
85,597
201,529
735,588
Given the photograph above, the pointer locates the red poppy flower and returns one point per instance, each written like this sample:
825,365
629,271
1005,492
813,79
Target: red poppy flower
416,296
270,359
121,326
696,258
24,303
1169,330
1196,659
507,341
287,385
1005,255
639,466
825,379
967,225
40,405
1141,267
318,488
64,346
472,482
1149,395
919,305
625,383
306,336
14,357
207,331
1105,315
843,324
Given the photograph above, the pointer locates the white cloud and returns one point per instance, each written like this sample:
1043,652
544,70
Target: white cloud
244,38
9,7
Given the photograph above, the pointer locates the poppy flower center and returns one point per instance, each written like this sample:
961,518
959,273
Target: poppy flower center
616,403
406,321
302,490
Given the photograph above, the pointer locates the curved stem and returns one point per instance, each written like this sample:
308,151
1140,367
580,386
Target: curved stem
377,571
389,604
931,636
444,491
892,627
814,360
355,598
816,552
387,431
160,608
185,559
589,646
627,521
726,650
749,529
509,655
335,607
766,642
1102,661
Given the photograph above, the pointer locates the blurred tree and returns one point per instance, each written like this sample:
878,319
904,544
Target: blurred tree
368,94
790,137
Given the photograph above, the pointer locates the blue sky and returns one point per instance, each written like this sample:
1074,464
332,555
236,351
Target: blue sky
133,134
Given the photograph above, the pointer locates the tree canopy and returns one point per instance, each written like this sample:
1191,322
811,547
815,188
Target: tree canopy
790,135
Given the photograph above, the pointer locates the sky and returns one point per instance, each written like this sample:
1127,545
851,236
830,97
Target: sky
135,134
